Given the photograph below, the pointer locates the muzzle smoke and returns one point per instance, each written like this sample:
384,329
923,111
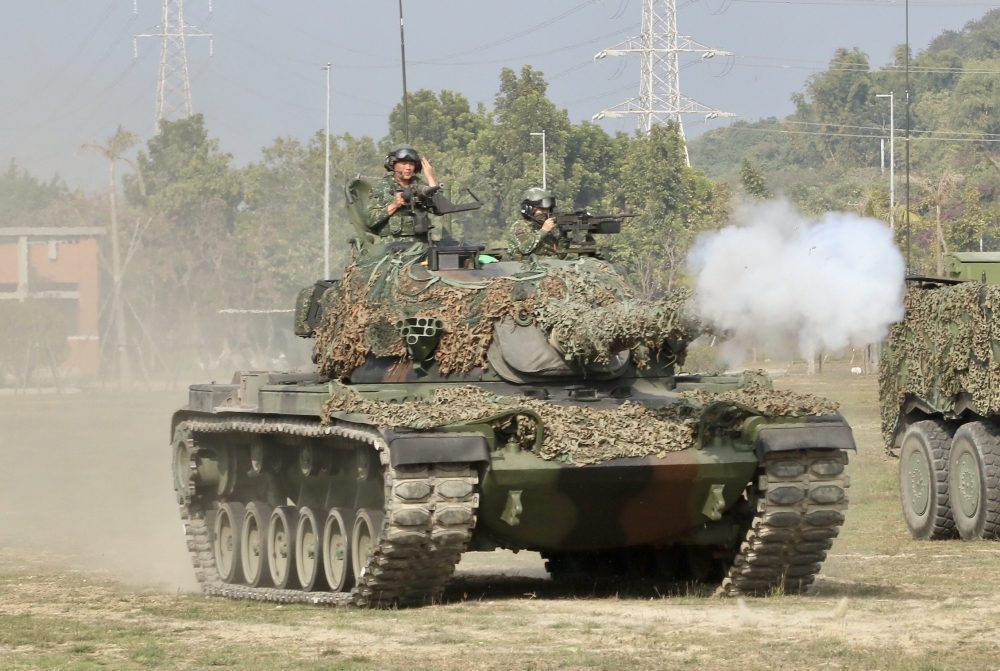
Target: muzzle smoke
783,282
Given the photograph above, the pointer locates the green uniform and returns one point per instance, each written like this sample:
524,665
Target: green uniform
399,225
527,237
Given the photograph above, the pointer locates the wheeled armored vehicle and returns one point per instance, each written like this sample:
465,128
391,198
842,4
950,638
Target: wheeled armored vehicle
940,400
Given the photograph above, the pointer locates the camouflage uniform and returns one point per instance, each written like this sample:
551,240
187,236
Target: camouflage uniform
399,225
527,237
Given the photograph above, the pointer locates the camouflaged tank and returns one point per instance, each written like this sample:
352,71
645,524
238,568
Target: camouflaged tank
939,384
465,405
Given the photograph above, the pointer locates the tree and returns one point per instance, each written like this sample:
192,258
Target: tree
113,150
673,203
753,181
939,191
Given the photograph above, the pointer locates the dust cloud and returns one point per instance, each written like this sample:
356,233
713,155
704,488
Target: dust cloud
86,481
786,283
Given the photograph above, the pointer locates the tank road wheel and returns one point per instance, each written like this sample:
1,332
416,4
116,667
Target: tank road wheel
337,549
799,504
367,526
309,549
923,480
281,546
228,532
974,480
253,544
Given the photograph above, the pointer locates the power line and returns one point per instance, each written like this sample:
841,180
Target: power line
535,28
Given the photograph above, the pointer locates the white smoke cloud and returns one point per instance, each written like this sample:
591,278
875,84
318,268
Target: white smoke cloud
785,282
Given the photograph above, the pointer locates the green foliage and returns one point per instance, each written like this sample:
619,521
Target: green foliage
673,202
184,169
439,123
753,181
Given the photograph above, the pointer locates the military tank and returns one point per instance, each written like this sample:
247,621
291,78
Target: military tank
939,381
465,403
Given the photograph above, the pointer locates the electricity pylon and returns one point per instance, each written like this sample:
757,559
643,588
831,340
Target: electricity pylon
658,47
173,91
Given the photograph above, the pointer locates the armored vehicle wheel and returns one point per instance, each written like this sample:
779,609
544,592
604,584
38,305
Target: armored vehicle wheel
923,480
309,549
281,546
228,532
974,480
337,549
253,544
363,540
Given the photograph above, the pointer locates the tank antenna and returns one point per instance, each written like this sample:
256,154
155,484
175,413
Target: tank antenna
402,51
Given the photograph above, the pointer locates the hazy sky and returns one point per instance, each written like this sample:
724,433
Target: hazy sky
68,73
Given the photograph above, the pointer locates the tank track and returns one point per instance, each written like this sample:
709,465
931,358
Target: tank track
429,515
799,501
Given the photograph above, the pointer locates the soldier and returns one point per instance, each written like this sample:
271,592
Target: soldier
404,166
531,231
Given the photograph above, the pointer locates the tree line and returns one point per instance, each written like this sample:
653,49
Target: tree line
827,155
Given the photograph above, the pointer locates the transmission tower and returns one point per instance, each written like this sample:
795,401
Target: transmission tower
659,47
173,91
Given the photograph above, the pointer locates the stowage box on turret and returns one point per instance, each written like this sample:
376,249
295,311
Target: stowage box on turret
467,404
940,399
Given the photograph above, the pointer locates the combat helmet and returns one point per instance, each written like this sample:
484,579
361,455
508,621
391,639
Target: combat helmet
536,197
402,152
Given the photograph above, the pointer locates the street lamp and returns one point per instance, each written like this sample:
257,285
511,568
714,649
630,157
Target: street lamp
544,181
892,158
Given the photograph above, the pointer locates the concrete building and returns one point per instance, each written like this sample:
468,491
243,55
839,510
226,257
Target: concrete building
58,264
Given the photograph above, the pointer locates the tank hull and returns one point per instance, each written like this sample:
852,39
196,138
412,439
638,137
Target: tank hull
414,501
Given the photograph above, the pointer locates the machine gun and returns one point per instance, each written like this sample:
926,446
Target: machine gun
422,201
576,230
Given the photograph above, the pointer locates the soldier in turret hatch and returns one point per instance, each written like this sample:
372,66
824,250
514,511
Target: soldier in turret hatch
404,166
531,231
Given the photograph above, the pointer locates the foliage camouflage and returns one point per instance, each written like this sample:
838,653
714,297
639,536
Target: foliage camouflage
948,342
588,311
577,434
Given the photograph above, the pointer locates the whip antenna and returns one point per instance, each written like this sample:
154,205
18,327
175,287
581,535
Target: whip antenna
402,51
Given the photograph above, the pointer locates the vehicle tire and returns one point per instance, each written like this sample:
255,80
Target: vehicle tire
923,480
974,480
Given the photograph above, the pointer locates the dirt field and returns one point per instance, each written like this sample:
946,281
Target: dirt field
93,574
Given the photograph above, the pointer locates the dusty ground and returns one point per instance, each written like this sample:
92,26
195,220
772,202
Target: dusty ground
93,574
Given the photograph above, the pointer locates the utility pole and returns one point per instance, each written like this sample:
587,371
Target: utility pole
909,266
544,162
658,47
892,157
326,184
173,90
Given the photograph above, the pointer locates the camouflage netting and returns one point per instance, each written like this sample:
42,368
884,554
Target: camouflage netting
769,402
574,434
947,343
586,308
